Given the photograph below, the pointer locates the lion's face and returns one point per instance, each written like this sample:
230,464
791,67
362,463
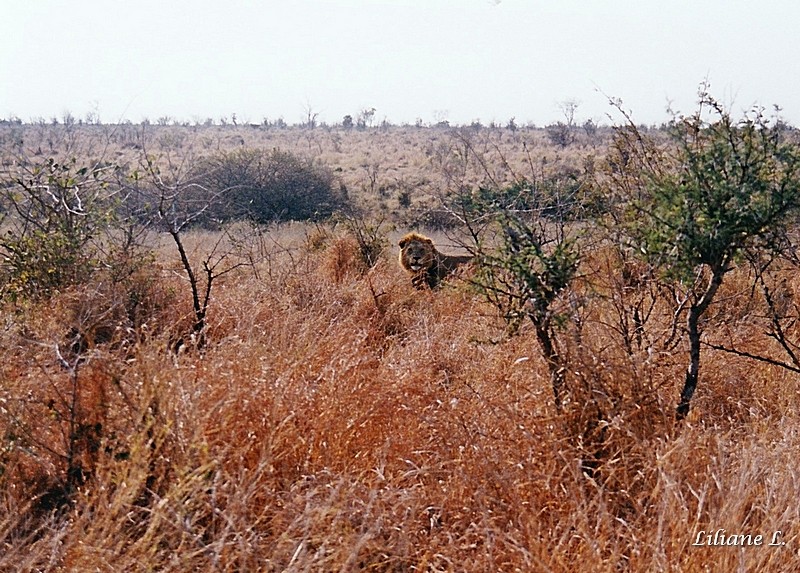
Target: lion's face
416,253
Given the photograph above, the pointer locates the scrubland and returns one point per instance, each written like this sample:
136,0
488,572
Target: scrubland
336,419
376,166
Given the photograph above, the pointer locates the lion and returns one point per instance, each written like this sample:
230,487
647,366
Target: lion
427,266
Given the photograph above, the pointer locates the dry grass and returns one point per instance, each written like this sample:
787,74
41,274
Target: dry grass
339,421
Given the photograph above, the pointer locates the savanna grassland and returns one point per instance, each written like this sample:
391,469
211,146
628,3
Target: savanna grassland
278,397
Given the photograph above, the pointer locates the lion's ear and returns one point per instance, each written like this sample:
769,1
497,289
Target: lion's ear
429,241
403,242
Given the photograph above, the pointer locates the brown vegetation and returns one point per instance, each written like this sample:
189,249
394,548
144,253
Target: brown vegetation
336,419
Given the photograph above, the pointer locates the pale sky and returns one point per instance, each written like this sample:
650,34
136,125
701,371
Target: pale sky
460,60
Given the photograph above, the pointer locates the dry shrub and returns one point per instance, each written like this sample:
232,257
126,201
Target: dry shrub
343,260
344,423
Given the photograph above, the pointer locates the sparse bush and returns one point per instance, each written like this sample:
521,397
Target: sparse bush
57,214
558,197
370,237
174,200
353,253
560,134
404,198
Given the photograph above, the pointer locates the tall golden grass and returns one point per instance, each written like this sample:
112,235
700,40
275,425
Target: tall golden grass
339,420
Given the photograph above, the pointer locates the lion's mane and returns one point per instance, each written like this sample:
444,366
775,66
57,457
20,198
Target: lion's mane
426,265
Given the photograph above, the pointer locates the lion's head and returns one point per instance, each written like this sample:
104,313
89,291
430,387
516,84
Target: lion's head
417,253
427,266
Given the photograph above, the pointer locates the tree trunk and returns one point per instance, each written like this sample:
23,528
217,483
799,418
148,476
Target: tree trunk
554,363
696,311
693,371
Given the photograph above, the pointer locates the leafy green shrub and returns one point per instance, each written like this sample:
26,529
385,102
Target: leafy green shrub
559,196
55,214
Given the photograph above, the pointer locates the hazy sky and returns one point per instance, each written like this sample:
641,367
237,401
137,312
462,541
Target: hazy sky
459,60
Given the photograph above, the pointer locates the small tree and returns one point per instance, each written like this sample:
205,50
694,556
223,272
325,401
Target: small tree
311,116
171,197
524,268
718,188
563,133
365,118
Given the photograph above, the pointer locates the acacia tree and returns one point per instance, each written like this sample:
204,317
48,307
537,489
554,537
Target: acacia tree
718,188
525,263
